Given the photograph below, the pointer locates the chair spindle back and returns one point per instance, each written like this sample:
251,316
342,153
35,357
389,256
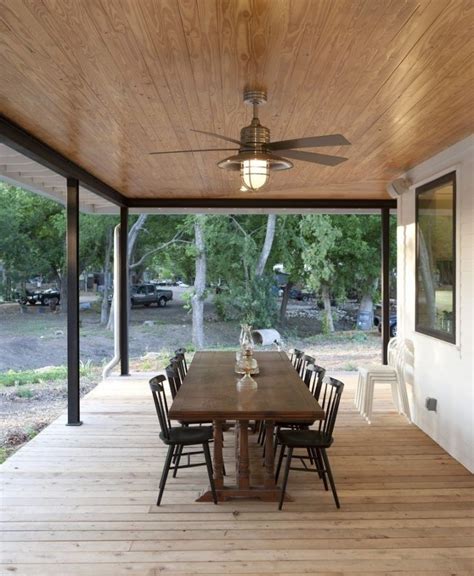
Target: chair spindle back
161,404
329,401
313,378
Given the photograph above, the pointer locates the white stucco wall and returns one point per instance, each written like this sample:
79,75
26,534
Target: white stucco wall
442,370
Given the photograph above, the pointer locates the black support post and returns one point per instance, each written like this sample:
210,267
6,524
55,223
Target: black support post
72,236
124,299
385,213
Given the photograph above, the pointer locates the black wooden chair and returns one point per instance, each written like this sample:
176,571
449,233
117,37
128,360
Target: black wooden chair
316,442
296,358
182,352
305,362
179,437
173,373
314,377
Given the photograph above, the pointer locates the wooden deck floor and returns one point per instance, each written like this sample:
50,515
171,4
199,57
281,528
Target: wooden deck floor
81,501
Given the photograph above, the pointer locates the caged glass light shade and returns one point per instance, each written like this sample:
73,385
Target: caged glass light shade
254,167
254,173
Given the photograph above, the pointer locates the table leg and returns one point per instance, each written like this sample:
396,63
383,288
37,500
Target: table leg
242,456
218,457
269,478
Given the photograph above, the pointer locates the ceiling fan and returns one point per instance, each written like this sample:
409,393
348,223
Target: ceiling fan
256,154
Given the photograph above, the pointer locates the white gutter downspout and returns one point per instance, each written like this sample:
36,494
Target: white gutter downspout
115,304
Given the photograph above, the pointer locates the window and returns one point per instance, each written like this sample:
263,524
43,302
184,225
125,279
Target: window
436,258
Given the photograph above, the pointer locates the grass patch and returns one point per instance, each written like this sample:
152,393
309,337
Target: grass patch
4,453
24,393
349,367
20,378
48,374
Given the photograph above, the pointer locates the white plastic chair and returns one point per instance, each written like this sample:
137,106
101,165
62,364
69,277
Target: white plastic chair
393,374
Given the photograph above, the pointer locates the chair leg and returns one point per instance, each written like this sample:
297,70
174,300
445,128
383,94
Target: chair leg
329,473
369,398
177,458
207,455
395,395
275,442
402,392
280,460
166,469
285,479
358,392
320,467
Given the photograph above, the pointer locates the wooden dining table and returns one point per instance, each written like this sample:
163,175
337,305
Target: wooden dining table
210,393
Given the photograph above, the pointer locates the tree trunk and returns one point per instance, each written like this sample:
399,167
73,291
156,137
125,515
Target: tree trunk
328,324
104,310
133,234
267,245
284,303
197,300
131,241
62,287
365,320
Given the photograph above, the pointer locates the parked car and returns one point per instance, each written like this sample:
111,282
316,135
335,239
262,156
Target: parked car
147,294
49,297
297,294
392,324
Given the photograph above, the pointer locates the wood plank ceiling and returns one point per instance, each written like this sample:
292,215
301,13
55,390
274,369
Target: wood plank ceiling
106,82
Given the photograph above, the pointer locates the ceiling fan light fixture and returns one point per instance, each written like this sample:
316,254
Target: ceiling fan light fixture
254,167
254,173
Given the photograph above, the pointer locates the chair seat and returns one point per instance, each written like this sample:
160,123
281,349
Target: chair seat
188,436
377,369
304,438
294,424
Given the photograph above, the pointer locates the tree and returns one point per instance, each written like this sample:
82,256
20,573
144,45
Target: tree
239,250
33,235
199,294
96,251
288,251
320,239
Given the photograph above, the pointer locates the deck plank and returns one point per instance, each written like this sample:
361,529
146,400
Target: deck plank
80,501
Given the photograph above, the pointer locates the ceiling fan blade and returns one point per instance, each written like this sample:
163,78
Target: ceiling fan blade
313,157
218,136
309,142
201,150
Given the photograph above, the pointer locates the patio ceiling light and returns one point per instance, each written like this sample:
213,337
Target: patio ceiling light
254,167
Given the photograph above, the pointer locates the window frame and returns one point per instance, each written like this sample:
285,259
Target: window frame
449,178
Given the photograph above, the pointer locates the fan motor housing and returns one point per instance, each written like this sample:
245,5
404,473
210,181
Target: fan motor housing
255,135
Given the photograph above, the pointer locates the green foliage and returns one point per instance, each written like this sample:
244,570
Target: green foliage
359,337
24,393
33,234
251,303
4,453
51,374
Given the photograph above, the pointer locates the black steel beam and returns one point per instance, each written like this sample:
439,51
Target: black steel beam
259,203
124,299
19,139
385,215
73,356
